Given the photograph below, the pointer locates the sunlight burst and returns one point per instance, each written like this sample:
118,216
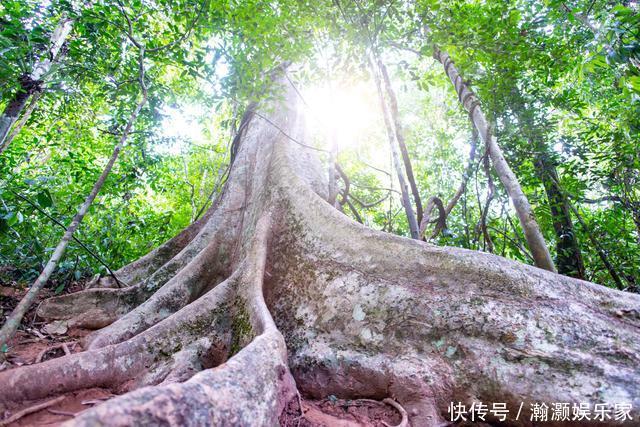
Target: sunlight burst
346,114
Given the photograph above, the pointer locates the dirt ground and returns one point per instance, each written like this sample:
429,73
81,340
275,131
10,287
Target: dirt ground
58,409
333,412
37,341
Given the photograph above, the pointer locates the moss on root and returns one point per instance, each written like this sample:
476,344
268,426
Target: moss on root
242,331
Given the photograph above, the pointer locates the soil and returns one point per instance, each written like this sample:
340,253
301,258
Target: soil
34,341
333,412
72,404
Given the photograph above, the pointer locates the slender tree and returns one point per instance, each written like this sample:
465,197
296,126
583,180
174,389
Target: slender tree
414,229
568,255
406,159
12,323
530,226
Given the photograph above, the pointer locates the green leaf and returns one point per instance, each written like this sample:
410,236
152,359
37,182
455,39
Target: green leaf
11,218
44,199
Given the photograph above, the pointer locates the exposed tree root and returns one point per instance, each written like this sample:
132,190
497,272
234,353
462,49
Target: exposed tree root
148,264
92,308
404,422
144,359
229,394
65,406
62,345
178,292
98,308
64,413
405,419
333,411
345,310
15,417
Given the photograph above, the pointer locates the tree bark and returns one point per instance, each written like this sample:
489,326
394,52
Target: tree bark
532,232
601,253
31,84
15,130
276,290
14,108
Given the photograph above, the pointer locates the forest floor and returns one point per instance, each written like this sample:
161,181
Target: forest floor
37,341
333,412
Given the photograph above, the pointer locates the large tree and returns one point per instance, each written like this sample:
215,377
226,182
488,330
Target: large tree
274,289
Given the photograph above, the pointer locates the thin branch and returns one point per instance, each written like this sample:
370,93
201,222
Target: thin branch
482,222
368,205
367,187
514,242
598,200
599,250
221,180
128,33
353,210
287,135
373,167
345,179
184,36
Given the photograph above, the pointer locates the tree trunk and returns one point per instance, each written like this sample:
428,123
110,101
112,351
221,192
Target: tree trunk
528,222
277,290
395,116
414,229
568,258
30,84
15,130
14,108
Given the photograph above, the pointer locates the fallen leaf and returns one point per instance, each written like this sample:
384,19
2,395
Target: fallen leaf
59,327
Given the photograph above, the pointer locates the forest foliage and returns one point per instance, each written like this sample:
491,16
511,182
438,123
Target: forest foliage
559,82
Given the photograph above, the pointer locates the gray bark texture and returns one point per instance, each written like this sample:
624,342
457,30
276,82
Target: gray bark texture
275,290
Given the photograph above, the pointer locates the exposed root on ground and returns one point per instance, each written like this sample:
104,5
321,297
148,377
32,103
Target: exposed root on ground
100,307
64,346
31,409
341,412
47,412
